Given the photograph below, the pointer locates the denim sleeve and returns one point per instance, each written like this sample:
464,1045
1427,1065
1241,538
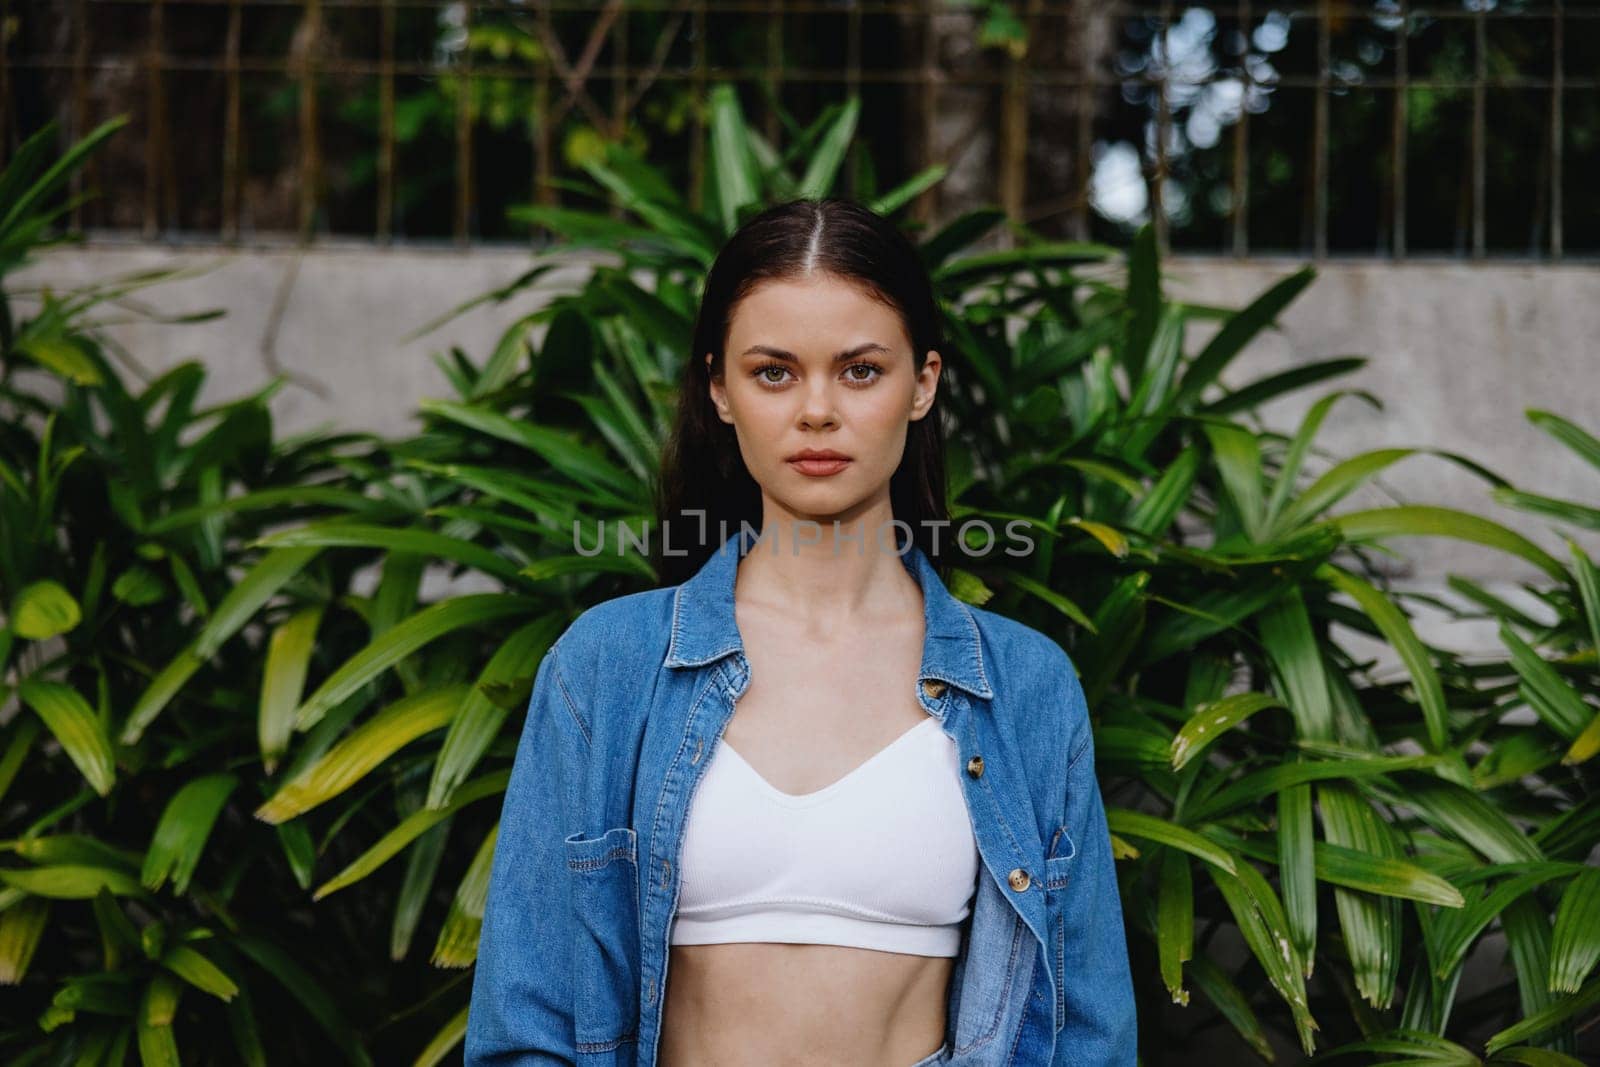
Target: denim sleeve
1101,1026
521,1011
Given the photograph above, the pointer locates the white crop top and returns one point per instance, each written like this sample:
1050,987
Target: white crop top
884,858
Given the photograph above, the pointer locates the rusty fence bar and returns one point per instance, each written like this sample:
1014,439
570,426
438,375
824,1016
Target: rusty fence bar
611,59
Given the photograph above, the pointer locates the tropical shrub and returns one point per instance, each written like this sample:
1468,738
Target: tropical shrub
1317,851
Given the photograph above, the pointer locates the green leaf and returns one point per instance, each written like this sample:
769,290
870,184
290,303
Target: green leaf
1423,520
458,938
420,542
1175,922
1155,828
1337,483
1252,788
283,679
823,169
1383,875
311,995
1265,927
580,463
73,848
410,828
1568,433
76,726
472,731
158,1046
181,834
71,882
138,586
1213,718
1575,943
1239,329
44,610
1231,1004
1159,508
1394,626
269,575
404,638
1539,1023
63,355
362,750
451,1034
1556,702
1053,598
1454,933
1295,656
1588,578
1238,458
416,888
733,168
193,967
21,927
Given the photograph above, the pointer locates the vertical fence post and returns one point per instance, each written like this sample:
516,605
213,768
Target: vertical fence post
1557,134
386,145
1239,208
1402,118
464,119
1158,215
1480,74
1319,134
233,124
310,162
154,109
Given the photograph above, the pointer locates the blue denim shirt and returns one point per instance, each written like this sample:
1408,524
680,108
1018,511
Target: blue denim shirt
627,707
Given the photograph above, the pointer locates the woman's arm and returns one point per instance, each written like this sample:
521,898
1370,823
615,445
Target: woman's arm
521,1011
1101,1027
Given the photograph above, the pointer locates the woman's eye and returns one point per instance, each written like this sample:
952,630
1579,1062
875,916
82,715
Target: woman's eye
772,373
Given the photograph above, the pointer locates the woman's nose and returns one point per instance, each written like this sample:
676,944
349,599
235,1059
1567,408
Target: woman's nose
818,408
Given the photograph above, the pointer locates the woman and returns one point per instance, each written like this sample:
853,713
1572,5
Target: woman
853,818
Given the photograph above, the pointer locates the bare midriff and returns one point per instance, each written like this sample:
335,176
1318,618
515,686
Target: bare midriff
801,1005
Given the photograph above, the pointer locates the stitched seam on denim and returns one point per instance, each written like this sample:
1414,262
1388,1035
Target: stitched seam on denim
1000,816
706,688
1083,746
594,863
1016,1035
672,642
561,684
977,649
683,827
1061,962
1017,927
606,1046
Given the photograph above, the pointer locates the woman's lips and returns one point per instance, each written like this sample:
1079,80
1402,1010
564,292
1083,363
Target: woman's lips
819,468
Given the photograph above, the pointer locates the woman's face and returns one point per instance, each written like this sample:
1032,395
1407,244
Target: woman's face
817,364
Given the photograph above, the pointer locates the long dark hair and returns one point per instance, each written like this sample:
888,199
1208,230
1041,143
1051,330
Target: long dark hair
702,472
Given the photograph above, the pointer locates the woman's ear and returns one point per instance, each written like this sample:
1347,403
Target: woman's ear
719,394
927,385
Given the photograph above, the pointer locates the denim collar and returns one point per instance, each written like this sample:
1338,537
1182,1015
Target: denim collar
704,629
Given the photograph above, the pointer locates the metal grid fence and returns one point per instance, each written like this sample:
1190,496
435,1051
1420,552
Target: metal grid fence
1381,129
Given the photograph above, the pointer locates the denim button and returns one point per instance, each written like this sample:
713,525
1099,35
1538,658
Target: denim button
1019,879
975,766
933,687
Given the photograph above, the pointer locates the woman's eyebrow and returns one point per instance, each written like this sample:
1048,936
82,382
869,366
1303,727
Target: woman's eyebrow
838,357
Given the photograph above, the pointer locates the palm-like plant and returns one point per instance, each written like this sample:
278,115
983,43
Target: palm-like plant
328,717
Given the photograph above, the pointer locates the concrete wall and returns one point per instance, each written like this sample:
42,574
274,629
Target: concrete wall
1457,353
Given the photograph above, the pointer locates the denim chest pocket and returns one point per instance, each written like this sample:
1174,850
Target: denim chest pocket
1058,867
604,874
